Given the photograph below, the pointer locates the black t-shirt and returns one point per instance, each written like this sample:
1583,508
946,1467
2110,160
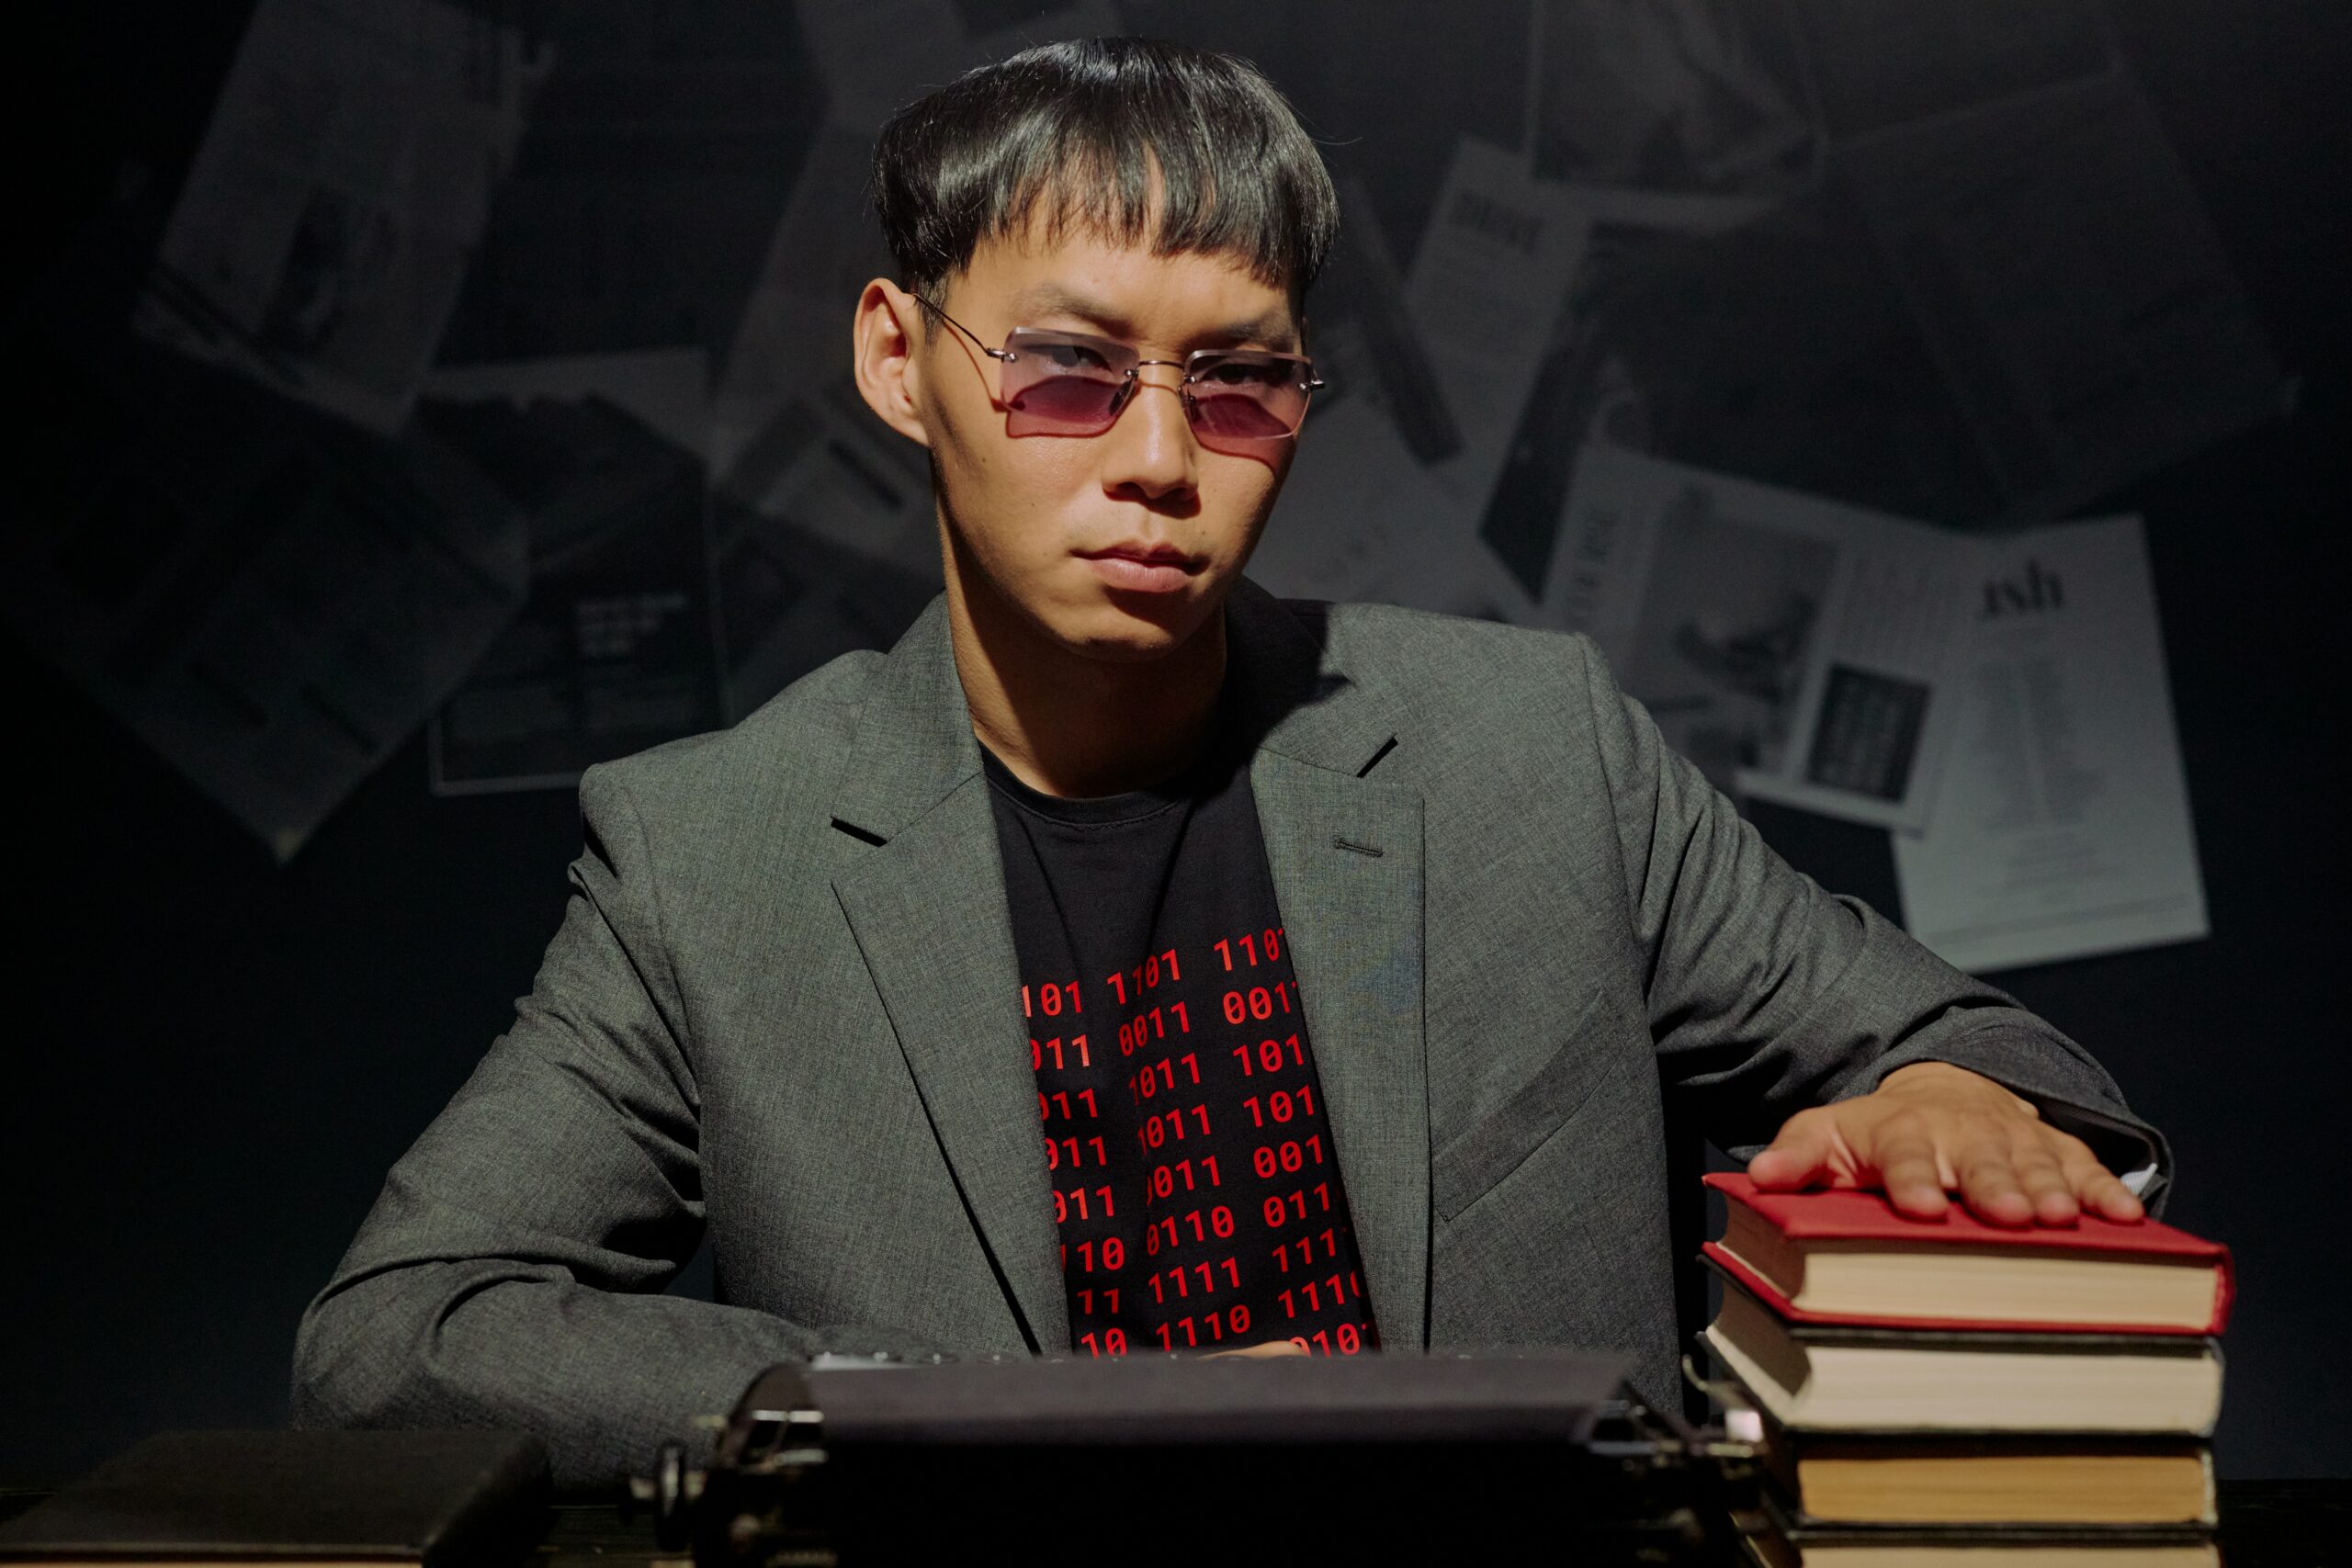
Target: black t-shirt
1194,1180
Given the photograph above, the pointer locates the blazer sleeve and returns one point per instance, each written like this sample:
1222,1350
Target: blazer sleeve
1767,994
509,1273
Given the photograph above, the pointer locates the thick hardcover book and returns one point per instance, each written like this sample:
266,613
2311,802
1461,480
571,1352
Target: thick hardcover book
1989,1478
1844,1255
1776,1540
465,1499
1854,1378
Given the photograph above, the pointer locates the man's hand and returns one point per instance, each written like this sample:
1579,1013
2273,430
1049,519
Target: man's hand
1260,1352
1931,1128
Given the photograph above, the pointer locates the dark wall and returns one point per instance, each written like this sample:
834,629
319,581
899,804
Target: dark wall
220,1056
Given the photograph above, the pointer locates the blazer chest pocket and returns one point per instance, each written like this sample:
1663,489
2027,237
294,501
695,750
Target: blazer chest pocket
1490,1150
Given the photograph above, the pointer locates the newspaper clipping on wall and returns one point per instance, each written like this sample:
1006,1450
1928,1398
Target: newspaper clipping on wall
326,226
613,650
271,599
2062,828
1794,649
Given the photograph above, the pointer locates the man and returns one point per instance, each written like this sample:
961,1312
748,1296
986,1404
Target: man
1355,949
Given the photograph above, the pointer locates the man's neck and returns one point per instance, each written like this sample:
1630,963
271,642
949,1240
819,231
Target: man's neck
1069,725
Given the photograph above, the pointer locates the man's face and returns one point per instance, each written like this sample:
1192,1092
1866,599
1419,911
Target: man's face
1117,546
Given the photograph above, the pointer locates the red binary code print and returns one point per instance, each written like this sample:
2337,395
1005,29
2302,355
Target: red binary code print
1194,1180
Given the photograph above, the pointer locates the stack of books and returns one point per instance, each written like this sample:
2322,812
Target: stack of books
1949,1392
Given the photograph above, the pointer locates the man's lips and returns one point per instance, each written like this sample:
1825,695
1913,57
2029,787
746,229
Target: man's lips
1149,554
1141,568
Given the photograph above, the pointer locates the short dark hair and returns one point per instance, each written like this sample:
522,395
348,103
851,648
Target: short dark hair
1070,134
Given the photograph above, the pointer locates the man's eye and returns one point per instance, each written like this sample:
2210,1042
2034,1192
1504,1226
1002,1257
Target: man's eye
1242,373
1073,356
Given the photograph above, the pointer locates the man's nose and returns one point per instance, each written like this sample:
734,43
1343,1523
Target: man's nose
1150,448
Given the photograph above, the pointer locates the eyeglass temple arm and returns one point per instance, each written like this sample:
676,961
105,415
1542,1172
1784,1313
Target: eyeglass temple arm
984,348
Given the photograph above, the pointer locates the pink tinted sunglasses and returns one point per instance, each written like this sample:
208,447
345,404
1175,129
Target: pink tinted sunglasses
1242,402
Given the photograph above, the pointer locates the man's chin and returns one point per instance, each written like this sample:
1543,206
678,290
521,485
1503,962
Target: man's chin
1137,628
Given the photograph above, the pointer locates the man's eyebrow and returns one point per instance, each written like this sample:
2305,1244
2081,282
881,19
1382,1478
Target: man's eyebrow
1059,300
1274,326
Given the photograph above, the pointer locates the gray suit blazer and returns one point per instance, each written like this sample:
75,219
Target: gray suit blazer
781,1010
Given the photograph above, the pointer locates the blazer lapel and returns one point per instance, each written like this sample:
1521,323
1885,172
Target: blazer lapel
928,911
928,914
1346,856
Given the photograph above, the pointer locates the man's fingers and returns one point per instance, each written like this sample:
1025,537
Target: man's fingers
2046,1186
1927,1134
1800,1152
1988,1185
1271,1348
1785,1166
2094,1186
2099,1191
1908,1172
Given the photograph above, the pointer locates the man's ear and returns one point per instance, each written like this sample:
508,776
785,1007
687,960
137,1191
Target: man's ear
882,353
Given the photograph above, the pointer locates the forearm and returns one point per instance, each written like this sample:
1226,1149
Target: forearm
1768,995
511,1275
603,1380
602,1377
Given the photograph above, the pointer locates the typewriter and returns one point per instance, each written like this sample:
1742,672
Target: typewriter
843,1463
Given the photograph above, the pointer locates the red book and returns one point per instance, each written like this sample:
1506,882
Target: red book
1846,1256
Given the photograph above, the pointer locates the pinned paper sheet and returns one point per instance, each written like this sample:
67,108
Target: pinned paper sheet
2062,828
1793,648
1359,519
1486,285
272,599
1703,95
342,184
615,648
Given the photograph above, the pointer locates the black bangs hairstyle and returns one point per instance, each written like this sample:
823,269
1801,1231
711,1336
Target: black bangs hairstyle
1072,134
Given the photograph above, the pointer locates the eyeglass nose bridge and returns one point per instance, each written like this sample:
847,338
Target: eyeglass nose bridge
1132,380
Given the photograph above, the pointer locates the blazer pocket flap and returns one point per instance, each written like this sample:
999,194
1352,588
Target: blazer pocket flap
1498,1143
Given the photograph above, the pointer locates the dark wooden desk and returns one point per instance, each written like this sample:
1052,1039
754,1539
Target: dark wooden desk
2265,1524
2286,1524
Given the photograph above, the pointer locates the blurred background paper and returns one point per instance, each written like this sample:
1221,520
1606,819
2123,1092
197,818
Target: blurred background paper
1582,390
1782,351
2061,271
1699,95
793,337
659,151
1484,288
615,648
667,390
1876,66
867,51
790,598
875,55
1359,519
347,174
2062,828
1363,337
271,599
1991,310
1792,648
